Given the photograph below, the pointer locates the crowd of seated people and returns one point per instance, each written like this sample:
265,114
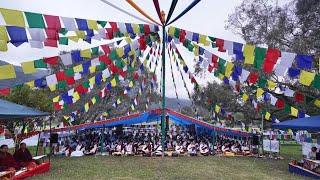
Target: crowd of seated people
149,144
21,159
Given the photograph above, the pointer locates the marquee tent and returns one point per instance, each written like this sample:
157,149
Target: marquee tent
309,123
152,116
9,110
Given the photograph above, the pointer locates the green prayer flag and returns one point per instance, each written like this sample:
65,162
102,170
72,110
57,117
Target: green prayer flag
253,87
86,84
113,55
190,48
65,106
69,72
35,20
102,23
148,57
148,40
287,108
63,40
177,32
141,27
40,64
216,73
119,64
62,84
213,45
63,31
95,50
129,69
212,39
262,82
263,112
187,42
316,82
308,99
259,55
102,66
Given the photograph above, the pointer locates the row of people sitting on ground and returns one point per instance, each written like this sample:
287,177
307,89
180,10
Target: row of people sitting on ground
21,159
89,143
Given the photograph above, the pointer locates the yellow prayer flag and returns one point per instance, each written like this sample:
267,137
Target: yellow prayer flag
202,39
73,38
135,28
92,80
113,82
7,72
92,24
28,67
128,40
86,107
271,84
92,69
80,34
78,68
118,101
259,92
76,96
229,68
30,84
104,78
245,97
56,99
221,76
53,87
3,33
267,116
3,46
217,109
120,51
131,84
13,17
196,50
66,117
132,52
104,114
171,31
248,53
306,78
294,111
86,53
132,107
93,100
317,103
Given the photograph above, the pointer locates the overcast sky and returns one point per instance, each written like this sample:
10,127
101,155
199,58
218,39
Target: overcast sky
208,17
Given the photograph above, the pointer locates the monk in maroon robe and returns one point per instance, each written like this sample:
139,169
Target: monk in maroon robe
24,157
7,161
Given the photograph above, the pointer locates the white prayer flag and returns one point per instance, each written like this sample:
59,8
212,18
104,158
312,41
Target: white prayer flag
69,23
51,80
66,59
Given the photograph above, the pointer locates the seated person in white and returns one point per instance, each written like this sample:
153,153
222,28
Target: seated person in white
79,151
146,149
225,148
245,149
192,149
65,150
313,153
234,148
129,149
93,149
158,149
118,149
204,150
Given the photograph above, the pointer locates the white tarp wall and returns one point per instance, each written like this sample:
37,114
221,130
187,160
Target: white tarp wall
271,145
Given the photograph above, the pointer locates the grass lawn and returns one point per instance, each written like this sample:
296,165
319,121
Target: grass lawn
173,168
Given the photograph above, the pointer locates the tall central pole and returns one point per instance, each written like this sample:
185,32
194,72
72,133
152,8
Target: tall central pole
163,119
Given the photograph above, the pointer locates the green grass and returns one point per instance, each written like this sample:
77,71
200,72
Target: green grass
173,168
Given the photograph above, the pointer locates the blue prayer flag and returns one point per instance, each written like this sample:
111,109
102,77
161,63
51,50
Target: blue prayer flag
82,24
76,56
18,35
304,61
293,72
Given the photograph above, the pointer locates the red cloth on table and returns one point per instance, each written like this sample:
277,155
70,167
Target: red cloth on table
43,168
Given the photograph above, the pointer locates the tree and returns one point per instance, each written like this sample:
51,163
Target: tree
37,99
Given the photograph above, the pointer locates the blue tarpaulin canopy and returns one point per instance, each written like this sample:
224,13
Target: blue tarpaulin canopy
9,111
309,123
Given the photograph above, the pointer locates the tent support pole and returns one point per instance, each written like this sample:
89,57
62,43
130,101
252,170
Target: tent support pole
38,143
262,117
102,139
163,126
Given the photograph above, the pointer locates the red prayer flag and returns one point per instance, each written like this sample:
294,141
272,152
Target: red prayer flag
259,107
51,60
109,33
214,58
272,55
53,22
106,49
114,27
105,58
299,97
210,68
253,78
106,91
61,76
220,44
182,37
238,87
280,104
268,67
142,43
52,34
51,43
136,76
146,29
56,106
114,69
80,89
5,91
70,80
